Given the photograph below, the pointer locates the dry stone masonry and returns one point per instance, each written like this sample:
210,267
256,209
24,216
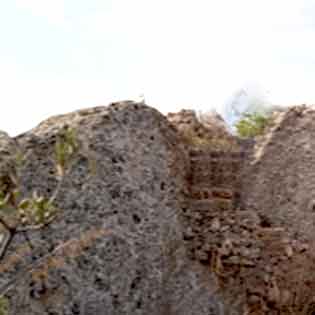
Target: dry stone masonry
213,184
255,257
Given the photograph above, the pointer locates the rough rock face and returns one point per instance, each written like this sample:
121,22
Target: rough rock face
8,159
207,125
8,176
214,121
262,266
277,183
149,224
209,130
279,179
117,245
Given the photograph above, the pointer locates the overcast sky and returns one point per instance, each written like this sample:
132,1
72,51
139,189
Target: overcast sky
61,55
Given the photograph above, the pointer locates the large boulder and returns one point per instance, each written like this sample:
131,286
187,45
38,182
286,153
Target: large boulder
116,246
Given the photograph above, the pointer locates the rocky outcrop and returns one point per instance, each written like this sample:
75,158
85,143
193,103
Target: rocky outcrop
165,217
255,256
117,245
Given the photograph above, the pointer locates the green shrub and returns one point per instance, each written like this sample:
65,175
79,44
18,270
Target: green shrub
252,124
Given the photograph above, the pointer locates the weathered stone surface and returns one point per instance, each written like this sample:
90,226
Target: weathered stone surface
118,241
8,159
207,131
279,179
261,264
151,225
210,123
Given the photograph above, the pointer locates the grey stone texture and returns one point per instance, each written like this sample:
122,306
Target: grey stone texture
165,216
116,246
278,179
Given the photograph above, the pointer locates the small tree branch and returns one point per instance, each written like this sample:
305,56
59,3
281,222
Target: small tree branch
36,226
6,225
6,243
8,237
57,190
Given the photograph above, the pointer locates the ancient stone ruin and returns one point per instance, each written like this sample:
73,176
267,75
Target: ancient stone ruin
166,216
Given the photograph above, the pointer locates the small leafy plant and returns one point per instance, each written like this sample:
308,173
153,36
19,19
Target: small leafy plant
66,146
252,124
20,215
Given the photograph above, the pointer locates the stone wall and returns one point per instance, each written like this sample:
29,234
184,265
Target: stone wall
261,267
213,183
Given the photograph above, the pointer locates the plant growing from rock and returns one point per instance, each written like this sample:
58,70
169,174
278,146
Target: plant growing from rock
252,124
20,215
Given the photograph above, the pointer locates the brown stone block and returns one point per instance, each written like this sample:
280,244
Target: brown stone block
222,193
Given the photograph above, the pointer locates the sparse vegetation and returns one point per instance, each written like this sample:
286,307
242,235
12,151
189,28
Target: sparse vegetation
20,215
191,138
66,146
252,124
222,144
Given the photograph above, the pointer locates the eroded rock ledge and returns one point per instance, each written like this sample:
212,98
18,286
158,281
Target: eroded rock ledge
172,220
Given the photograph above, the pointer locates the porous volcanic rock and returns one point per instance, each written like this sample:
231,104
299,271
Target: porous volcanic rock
116,246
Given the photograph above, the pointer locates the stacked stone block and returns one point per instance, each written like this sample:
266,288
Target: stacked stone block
213,186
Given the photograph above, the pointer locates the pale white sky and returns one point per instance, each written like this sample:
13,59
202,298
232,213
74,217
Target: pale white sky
61,55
